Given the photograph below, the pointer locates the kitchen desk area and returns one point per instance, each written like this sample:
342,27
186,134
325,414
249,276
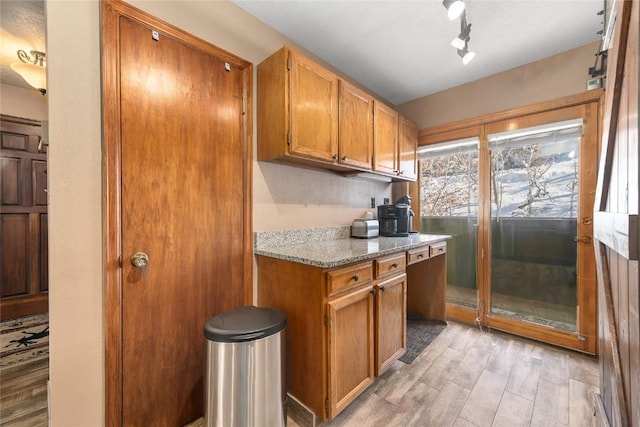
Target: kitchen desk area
347,301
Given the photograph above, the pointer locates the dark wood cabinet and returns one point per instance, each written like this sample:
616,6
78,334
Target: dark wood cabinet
23,222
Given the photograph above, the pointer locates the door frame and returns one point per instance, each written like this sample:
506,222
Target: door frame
582,340
112,12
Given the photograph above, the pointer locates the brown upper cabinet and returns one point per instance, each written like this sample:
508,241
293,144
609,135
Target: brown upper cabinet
356,127
307,115
407,149
297,109
385,139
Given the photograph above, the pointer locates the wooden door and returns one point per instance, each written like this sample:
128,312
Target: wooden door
23,222
391,321
351,360
356,127
617,225
314,110
182,160
385,139
407,146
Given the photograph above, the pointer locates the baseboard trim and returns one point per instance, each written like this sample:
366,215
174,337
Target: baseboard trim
599,412
299,413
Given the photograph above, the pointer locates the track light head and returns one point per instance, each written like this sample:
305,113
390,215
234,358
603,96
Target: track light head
454,8
458,43
466,55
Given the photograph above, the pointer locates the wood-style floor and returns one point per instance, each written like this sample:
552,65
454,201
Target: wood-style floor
464,378
23,394
471,378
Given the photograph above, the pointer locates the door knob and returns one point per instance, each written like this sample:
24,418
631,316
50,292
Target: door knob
583,239
140,260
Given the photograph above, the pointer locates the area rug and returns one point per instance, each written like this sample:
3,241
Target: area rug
420,333
24,339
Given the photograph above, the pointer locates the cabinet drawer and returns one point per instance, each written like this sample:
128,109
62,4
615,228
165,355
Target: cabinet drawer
417,255
391,264
344,278
438,249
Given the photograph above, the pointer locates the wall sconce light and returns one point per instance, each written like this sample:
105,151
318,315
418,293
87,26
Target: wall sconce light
454,8
32,69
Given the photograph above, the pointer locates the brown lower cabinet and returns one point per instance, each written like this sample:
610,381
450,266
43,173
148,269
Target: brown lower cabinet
345,325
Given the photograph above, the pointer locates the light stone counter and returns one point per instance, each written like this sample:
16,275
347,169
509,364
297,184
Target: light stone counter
340,251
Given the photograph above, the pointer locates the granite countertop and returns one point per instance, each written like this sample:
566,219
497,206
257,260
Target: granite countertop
334,253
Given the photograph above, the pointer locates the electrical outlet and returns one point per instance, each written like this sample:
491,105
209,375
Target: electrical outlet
373,202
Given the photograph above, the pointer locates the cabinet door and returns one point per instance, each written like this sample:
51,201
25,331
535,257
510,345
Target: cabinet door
391,321
314,110
407,149
356,127
350,348
385,139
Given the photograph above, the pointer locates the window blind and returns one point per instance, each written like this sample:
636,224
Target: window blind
459,146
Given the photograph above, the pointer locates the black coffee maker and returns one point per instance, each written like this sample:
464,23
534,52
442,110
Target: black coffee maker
395,220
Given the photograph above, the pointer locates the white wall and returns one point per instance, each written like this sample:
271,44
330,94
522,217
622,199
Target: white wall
25,103
560,75
75,214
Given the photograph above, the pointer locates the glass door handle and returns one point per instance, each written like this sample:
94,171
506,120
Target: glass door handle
583,239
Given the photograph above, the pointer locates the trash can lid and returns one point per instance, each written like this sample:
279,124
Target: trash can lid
246,323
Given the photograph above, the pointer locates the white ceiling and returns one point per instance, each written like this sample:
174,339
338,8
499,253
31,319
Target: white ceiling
400,49
22,26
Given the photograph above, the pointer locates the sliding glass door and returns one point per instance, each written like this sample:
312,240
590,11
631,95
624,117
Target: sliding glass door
449,205
534,210
517,198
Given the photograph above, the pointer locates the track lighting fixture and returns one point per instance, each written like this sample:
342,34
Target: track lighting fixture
465,34
454,8
461,43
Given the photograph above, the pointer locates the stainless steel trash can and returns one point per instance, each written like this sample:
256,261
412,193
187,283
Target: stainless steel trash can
245,373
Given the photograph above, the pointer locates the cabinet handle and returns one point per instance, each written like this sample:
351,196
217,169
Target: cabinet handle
355,277
394,265
344,158
382,288
400,172
372,292
420,256
335,157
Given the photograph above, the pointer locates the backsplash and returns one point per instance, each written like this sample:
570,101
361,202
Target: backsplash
271,239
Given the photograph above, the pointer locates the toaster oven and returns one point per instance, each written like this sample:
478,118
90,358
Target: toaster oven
365,228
